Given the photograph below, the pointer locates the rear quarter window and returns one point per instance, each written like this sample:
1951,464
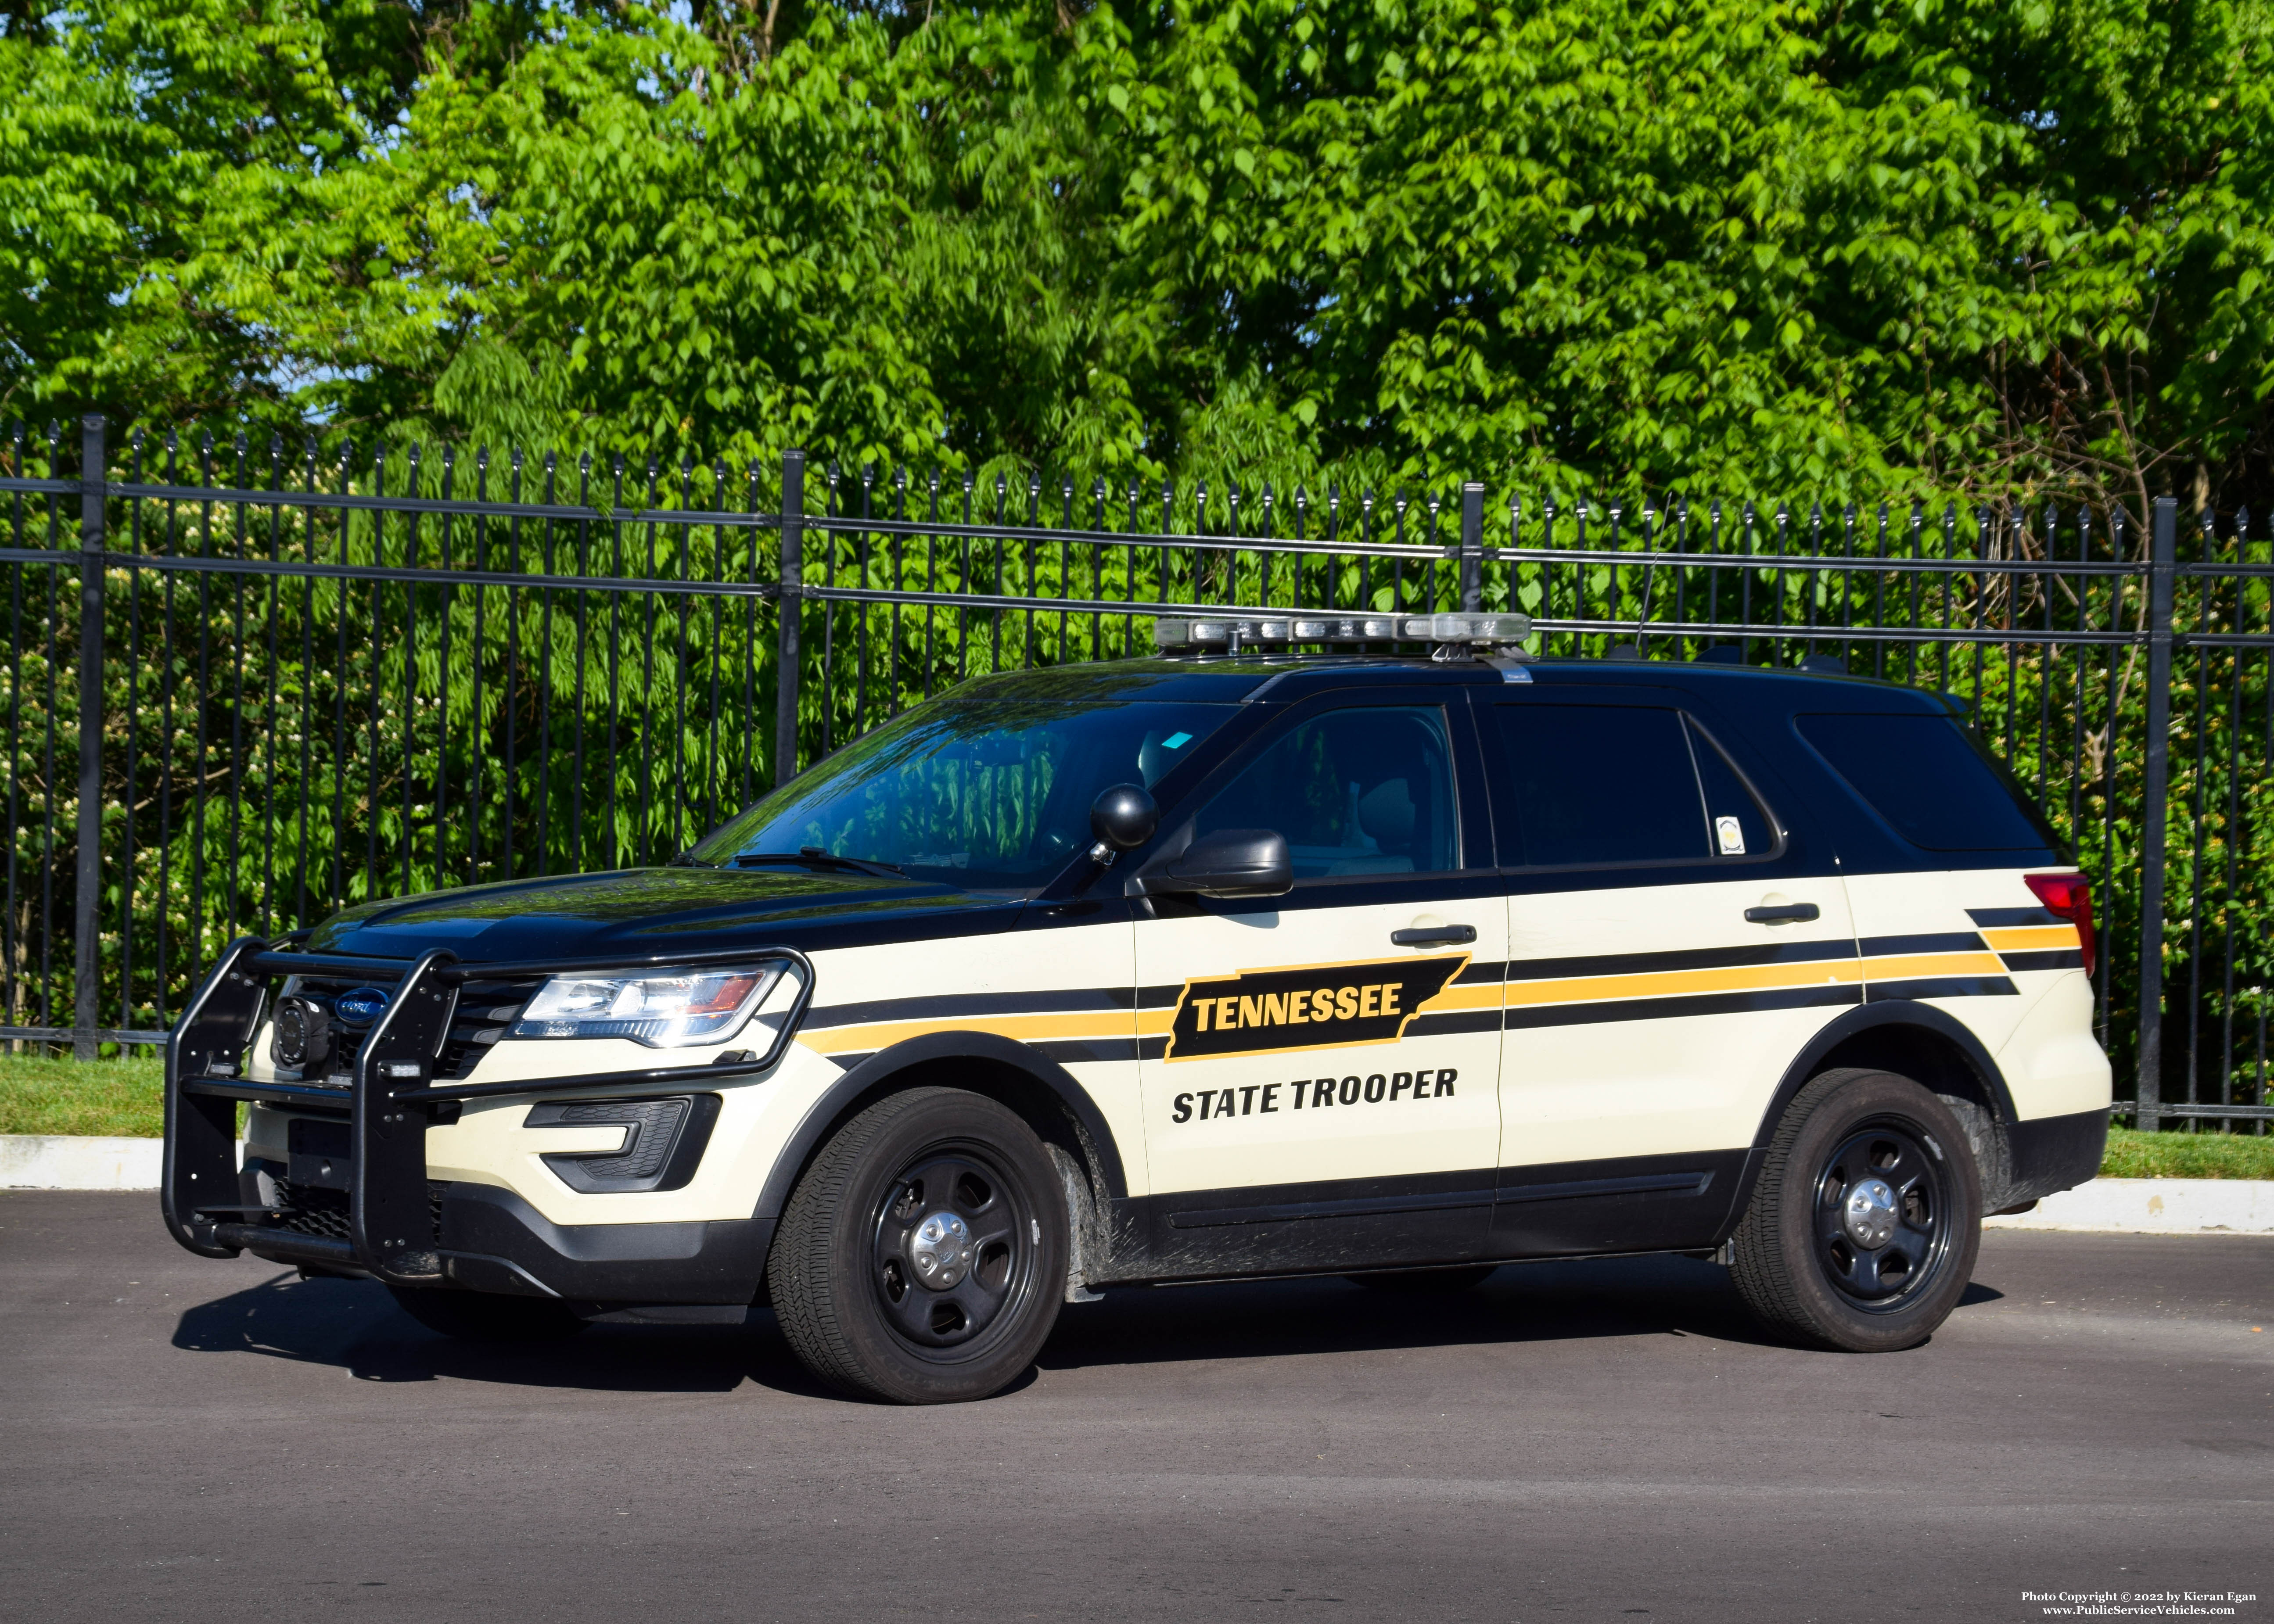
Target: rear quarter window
1928,778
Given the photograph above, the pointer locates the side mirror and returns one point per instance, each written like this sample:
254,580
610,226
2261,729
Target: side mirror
1230,863
1122,818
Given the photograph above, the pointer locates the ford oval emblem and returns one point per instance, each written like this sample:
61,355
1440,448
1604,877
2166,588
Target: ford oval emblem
362,1006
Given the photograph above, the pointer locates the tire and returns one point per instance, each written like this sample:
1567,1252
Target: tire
878,1291
1426,1283
1862,1232
488,1317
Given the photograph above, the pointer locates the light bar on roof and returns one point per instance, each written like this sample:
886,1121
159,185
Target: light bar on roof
1230,632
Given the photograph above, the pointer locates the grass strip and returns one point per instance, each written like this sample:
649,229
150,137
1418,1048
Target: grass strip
104,1097
2134,1154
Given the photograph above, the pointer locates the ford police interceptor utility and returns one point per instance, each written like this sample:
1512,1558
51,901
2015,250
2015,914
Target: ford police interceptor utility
1223,964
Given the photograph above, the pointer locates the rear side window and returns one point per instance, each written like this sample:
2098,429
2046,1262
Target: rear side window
1928,780
1601,785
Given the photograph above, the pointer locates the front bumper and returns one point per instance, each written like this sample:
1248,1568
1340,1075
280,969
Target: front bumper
391,1223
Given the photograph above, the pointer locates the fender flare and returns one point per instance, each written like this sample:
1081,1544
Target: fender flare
1863,1018
862,1078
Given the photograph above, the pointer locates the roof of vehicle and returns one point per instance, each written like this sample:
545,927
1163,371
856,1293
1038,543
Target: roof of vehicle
1237,679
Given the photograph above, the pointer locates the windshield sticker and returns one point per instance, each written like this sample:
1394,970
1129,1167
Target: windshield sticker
1304,1006
1176,741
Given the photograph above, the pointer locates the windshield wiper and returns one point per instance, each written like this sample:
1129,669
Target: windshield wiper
815,857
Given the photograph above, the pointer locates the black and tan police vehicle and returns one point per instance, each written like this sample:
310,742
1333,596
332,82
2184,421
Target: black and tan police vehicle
1224,964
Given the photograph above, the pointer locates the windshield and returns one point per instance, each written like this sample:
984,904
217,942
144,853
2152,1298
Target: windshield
990,795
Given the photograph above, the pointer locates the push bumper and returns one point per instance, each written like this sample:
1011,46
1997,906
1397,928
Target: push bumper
393,1224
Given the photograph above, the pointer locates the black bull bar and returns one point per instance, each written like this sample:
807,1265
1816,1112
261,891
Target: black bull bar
390,1103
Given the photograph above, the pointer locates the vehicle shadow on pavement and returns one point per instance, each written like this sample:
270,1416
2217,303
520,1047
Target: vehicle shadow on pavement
1653,1296
355,1326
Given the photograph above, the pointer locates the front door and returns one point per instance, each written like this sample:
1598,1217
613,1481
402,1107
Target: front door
1319,1069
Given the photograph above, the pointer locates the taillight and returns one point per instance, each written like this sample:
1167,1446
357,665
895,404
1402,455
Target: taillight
2069,897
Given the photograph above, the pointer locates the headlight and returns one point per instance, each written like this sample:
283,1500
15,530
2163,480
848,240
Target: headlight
663,1008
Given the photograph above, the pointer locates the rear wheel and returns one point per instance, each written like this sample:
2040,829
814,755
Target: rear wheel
1863,1230
1426,1283
486,1317
923,1256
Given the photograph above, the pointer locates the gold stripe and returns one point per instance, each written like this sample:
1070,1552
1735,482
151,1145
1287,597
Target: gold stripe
2024,938
1673,984
1905,966
1021,1028
1474,996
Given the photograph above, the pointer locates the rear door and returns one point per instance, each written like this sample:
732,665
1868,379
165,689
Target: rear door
1319,1069
1674,940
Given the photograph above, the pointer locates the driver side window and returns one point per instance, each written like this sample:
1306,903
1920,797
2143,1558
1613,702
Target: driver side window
1357,791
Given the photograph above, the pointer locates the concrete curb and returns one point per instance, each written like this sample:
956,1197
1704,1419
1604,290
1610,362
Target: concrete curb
2139,1205
66,1162
2155,1206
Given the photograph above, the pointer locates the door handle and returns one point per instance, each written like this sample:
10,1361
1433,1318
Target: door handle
1435,936
1791,912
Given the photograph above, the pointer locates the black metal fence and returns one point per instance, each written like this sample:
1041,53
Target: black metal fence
249,685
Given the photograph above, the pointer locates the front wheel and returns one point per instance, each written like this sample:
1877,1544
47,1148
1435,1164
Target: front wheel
923,1256
1863,1230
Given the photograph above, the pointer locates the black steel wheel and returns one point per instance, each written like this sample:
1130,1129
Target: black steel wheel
488,1317
922,1259
1863,1230
1882,1210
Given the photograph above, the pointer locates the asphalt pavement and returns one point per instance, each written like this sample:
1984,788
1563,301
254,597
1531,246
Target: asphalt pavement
195,1441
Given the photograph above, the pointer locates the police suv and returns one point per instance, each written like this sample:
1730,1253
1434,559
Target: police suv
1227,963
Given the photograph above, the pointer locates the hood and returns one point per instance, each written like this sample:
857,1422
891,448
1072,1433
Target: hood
642,913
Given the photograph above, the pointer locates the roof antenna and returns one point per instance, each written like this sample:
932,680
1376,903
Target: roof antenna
1639,649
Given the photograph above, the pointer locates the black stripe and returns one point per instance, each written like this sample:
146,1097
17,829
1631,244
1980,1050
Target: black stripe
2052,959
2014,916
1687,958
1687,1184
1454,1020
1945,986
1945,942
1488,970
1160,998
1293,1212
1153,1047
948,1006
848,1061
1072,1049
1669,1009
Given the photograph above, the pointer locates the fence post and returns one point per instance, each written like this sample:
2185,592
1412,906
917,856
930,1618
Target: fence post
2163,575
93,469
788,609
1472,544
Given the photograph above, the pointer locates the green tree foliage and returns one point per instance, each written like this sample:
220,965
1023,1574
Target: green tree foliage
1598,246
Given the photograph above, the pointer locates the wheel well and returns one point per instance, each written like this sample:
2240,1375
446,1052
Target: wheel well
1036,1102
1924,1057
1940,1064
1091,1169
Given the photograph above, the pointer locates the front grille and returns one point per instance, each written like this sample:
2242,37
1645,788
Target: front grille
485,1011
311,1209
